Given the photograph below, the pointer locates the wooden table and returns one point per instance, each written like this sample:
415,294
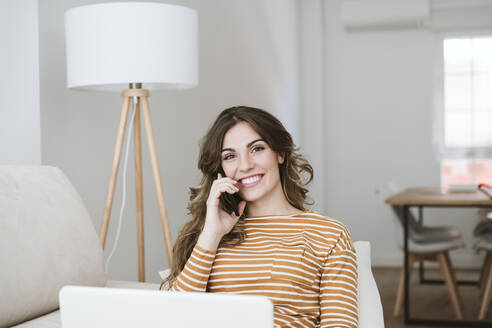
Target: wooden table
433,197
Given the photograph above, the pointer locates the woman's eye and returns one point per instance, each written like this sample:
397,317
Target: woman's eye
258,148
227,157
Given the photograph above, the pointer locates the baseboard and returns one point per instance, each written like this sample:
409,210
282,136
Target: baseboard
459,262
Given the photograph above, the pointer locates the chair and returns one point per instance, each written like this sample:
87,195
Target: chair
484,232
426,244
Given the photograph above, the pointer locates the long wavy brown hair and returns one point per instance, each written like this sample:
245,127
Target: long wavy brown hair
295,174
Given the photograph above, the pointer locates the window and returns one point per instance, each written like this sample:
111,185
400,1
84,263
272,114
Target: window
466,110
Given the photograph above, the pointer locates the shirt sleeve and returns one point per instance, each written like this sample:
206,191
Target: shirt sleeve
338,287
195,274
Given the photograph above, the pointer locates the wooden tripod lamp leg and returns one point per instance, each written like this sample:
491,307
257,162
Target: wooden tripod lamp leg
157,177
114,171
139,191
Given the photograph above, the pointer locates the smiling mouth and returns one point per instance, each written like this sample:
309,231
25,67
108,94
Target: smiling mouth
251,181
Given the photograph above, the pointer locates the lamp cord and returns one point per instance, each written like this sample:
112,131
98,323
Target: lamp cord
123,197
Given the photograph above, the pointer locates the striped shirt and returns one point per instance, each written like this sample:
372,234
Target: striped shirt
304,263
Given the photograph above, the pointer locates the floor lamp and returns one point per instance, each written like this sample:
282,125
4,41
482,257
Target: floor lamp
123,47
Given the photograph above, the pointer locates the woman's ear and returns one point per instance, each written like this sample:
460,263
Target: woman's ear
281,158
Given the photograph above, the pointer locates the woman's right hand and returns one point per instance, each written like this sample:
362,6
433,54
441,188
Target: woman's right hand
218,222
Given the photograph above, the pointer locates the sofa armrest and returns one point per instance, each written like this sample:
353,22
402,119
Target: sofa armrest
370,307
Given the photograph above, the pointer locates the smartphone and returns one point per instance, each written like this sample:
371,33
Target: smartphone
230,202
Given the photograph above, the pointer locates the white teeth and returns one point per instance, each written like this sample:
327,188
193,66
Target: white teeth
251,179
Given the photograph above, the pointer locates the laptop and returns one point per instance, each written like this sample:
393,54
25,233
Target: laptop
103,307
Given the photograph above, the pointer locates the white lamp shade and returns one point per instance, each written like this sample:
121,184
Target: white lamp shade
111,45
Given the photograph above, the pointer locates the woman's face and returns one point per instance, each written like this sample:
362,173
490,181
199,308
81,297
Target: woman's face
248,159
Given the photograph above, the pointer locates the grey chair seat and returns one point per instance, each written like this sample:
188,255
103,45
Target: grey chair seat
484,244
483,230
425,234
433,247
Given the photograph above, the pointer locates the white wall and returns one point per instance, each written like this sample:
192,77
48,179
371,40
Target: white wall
311,63
248,55
19,84
359,105
378,127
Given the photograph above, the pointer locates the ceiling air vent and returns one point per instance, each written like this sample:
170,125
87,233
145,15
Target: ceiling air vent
362,15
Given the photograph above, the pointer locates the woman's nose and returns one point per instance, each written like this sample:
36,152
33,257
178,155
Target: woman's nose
246,163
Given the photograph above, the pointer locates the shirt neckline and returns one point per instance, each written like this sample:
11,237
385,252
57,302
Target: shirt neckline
279,215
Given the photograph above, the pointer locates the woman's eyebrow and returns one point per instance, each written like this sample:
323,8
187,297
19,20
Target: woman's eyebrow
247,146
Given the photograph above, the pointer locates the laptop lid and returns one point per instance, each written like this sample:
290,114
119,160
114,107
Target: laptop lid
102,307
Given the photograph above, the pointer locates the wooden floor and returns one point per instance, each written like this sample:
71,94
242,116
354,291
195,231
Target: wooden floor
428,301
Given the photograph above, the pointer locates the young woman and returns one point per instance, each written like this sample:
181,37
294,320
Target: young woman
251,234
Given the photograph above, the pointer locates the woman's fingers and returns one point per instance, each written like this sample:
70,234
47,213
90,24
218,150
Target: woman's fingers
228,181
221,185
225,188
216,192
224,183
220,179
219,192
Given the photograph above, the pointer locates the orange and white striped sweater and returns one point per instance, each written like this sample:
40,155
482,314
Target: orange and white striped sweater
305,264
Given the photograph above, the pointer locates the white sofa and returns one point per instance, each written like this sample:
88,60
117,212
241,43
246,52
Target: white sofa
47,241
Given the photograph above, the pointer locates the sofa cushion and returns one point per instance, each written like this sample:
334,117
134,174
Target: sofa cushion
131,284
52,319
49,320
47,241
